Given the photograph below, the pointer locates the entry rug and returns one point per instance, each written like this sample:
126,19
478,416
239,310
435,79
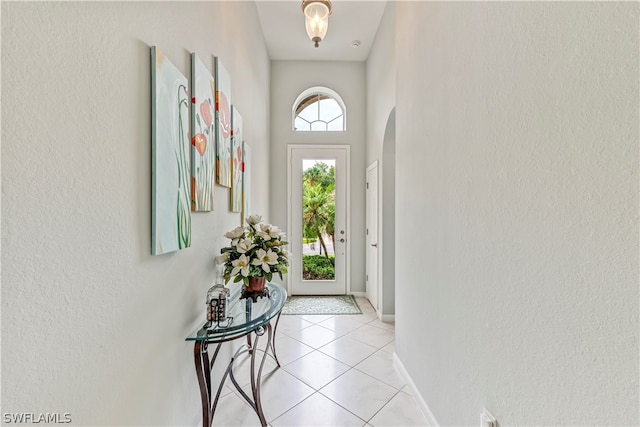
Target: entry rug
336,304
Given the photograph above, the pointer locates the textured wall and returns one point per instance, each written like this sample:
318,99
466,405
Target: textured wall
381,82
92,324
381,100
517,220
288,80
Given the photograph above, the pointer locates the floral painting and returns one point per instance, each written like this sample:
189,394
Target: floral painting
170,213
246,180
236,160
203,161
223,125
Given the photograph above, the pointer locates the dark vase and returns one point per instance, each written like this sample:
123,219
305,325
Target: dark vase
256,284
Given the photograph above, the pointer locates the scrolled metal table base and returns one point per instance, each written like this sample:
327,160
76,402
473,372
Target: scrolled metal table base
204,365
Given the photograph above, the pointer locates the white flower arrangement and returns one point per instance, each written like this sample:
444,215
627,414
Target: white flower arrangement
256,250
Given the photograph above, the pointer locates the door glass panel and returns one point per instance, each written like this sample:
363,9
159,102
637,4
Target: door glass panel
318,219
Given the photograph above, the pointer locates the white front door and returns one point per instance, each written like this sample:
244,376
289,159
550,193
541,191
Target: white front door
317,222
372,235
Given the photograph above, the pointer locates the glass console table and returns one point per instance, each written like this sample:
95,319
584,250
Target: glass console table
250,314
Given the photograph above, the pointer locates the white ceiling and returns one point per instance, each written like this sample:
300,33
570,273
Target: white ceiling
283,28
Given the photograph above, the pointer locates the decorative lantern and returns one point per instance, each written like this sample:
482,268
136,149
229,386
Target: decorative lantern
217,300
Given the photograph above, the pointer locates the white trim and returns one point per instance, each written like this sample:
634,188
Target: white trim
347,148
387,318
348,219
431,419
288,284
325,91
379,289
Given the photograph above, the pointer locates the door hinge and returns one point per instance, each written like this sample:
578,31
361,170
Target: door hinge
367,185
367,231
367,277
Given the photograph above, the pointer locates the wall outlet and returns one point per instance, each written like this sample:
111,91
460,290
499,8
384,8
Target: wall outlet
487,420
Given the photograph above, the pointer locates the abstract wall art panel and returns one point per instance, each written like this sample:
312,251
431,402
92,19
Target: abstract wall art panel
203,131
223,125
170,213
246,180
236,161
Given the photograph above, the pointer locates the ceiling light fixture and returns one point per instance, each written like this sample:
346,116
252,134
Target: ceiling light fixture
316,19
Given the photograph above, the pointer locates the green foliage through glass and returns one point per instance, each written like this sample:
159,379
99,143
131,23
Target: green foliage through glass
318,267
318,219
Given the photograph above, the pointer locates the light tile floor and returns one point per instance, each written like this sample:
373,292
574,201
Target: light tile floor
336,371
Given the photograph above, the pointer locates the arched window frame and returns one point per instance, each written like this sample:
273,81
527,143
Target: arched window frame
322,91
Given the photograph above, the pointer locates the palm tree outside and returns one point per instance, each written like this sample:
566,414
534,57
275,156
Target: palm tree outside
318,218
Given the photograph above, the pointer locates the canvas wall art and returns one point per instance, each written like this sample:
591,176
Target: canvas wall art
170,212
236,161
223,125
246,180
203,131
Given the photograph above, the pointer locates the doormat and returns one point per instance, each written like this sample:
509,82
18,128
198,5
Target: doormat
336,304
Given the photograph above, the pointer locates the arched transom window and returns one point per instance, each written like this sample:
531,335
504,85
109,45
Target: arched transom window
319,109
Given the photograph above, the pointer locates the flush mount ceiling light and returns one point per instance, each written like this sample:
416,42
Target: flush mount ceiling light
316,19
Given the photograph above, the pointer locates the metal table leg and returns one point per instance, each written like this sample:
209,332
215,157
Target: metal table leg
201,357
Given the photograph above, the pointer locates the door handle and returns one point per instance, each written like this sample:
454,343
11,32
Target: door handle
375,245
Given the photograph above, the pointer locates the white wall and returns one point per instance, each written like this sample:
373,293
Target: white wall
381,82
92,324
517,153
381,99
388,215
288,80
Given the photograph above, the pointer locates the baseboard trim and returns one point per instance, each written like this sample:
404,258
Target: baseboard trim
358,294
431,419
387,318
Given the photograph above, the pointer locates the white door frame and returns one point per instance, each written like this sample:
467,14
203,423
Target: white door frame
374,273
347,148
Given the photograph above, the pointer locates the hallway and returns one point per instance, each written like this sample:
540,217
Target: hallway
506,138
336,371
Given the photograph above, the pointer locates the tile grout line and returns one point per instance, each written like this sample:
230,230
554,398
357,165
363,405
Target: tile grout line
397,390
346,409
381,408
349,366
326,397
